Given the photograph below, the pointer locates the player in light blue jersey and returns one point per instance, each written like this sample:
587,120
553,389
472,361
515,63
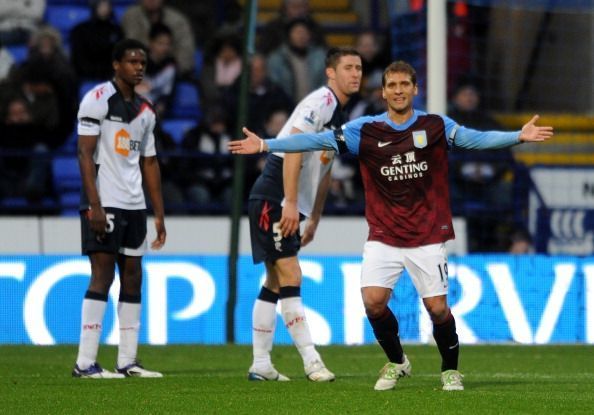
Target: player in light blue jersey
404,167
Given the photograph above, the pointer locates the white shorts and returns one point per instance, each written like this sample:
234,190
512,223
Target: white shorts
427,266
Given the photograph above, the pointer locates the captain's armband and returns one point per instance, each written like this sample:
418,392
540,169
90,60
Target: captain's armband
340,141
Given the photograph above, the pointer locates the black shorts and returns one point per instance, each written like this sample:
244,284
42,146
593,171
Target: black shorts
125,233
268,243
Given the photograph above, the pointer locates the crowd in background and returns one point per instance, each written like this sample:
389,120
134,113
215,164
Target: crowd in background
39,95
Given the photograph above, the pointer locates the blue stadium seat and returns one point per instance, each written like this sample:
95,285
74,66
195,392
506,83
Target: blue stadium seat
198,61
85,86
177,128
119,10
18,52
186,102
66,174
65,17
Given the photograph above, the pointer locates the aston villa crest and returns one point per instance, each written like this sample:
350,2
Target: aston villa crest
420,138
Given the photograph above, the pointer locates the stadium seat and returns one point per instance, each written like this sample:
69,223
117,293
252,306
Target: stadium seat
198,61
177,128
186,102
65,17
119,10
19,52
66,174
85,86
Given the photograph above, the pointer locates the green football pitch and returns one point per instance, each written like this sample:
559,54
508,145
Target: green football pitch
212,380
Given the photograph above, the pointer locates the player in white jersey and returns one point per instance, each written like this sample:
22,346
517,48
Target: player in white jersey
116,153
288,190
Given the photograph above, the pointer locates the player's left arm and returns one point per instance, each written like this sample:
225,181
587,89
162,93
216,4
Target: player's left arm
151,175
483,140
311,225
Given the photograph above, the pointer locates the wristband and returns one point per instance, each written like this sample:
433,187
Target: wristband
261,146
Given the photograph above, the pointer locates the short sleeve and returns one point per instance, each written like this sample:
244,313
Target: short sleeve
91,113
147,148
315,111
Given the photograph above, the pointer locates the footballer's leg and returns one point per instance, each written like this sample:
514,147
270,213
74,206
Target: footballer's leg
93,311
381,268
444,333
262,214
263,327
428,268
385,329
293,313
133,247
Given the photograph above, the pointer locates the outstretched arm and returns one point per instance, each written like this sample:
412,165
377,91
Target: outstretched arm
252,144
483,140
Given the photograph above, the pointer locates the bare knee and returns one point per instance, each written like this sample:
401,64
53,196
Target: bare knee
438,308
375,300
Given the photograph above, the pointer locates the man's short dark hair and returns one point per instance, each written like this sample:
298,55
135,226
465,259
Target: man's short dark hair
400,67
334,54
119,50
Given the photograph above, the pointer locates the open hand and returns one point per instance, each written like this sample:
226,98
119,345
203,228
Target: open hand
252,144
533,133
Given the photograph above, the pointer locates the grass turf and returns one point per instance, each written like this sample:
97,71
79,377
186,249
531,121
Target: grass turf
212,380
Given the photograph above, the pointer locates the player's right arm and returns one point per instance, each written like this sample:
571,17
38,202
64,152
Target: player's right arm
289,223
91,114
342,140
88,174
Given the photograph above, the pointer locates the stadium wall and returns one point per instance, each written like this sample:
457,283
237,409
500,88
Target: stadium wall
532,299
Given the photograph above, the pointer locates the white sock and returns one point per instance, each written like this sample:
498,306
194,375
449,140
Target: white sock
294,317
263,325
90,332
129,318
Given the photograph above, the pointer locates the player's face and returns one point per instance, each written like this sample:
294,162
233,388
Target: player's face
131,68
399,92
347,75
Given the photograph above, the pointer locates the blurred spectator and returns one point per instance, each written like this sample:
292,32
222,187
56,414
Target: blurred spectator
458,42
137,22
273,124
264,97
520,242
373,54
371,101
23,175
341,193
161,69
207,179
173,197
92,42
19,19
49,84
6,62
200,14
298,65
232,19
478,181
222,67
274,33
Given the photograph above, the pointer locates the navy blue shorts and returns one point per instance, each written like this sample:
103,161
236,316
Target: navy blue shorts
125,233
268,243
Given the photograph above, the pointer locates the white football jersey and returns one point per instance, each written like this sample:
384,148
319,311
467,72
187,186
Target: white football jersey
125,130
318,111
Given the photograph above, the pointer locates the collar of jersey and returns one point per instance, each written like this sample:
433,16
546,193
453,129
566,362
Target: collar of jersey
402,127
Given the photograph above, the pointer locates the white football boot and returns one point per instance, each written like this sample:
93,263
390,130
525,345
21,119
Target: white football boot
390,374
452,380
269,373
316,372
